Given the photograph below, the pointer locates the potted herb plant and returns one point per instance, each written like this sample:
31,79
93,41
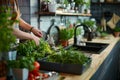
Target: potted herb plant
81,5
21,67
6,38
29,50
116,31
65,35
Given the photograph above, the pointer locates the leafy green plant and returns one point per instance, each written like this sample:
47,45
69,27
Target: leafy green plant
78,32
116,29
26,48
79,2
6,29
22,62
66,33
29,48
89,23
88,4
68,57
66,2
103,34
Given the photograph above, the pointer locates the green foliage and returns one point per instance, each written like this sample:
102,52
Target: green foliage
22,62
88,4
68,56
80,2
78,32
103,34
89,23
44,47
66,33
26,48
29,48
116,29
66,2
6,31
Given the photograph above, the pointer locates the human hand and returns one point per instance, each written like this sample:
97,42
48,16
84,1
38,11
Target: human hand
36,39
37,32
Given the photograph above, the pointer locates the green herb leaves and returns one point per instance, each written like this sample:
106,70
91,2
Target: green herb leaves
66,34
23,62
68,56
6,32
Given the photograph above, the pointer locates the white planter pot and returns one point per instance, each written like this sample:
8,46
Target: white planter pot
82,8
11,55
52,7
0,56
94,0
118,0
20,74
102,0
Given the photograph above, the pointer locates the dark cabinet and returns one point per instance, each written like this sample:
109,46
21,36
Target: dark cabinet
109,70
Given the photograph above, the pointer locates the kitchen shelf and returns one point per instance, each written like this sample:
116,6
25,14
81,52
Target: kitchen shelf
45,13
72,14
113,3
61,14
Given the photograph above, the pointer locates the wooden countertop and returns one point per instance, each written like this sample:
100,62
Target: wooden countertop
97,59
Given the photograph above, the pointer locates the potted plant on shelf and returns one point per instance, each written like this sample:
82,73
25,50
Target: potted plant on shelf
65,35
81,5
6,38
116,31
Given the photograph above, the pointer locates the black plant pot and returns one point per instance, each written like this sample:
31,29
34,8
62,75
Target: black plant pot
64,68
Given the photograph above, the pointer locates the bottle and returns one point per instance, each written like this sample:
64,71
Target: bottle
89,36
103,24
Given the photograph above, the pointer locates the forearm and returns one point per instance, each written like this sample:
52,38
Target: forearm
28,27
24,25
21,35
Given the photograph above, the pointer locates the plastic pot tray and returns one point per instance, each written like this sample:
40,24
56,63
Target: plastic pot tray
65,68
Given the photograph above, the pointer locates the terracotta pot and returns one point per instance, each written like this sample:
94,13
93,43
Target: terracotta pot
109,1
3,78
3,70
116,34
64,43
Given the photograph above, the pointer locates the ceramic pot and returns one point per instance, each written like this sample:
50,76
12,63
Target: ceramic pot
64,43
3,70
102,0
94,0
11,55
3,78
20,74
109,1
52,7
118,0
116,34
